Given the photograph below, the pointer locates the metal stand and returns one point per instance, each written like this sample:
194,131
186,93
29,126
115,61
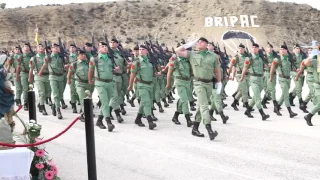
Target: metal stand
32,104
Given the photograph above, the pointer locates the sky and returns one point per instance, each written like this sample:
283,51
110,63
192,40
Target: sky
24,3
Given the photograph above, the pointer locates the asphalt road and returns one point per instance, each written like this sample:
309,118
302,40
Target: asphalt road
279,148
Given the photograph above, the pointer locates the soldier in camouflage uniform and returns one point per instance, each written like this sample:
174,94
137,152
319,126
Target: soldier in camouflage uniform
73,92
135,94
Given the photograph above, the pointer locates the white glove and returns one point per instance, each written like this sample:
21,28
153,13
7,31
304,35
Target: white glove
313,53
190,44
218,87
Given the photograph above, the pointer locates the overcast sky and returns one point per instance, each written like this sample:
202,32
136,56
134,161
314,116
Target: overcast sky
24,3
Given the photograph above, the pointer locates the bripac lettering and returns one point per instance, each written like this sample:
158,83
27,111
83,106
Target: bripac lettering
231,21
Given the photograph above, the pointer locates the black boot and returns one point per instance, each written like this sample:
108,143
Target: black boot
248,112
109,124
223,117
139,100
192,104
153,117
74,107
59,113
224,105
49,101
169,99
53,108
111,117
128,98
46,101
276,108
39,107
99,122
211,115
132,102
189,122
249,97
138,121
44,111
173,89
234,94
18,102
292,114
119,118
165,104
308,119
64,106
171,96
291,98
123,111
212,134
303,106
263,115
152,125
25,106
195,130
175,118
264,101
234,104
153,108
160,107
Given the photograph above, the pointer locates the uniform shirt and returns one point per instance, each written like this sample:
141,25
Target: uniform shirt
80,70
283,65
120,63
180,67
103,68
254,64
55,65
71,59
203,63
143,69
36,64
23,61
238,62
270,57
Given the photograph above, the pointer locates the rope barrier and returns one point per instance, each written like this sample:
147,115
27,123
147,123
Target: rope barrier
42,142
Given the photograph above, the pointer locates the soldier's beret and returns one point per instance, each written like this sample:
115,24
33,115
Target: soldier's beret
136,48
203,39
211,43
270,45
88,44
242,46
255,45
27,44
16,47
55,44
296,46
73,45
103,44
80,51
114,40
40,44
143,46
284,47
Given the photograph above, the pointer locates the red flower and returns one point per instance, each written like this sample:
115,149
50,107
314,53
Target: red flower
40,153
39,166
49,175
54,169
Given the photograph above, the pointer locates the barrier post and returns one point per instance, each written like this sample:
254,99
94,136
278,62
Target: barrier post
32,104
90,143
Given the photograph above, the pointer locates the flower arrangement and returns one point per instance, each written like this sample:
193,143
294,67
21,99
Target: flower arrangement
42,168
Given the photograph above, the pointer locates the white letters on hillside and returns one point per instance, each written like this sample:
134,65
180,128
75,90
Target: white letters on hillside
231,21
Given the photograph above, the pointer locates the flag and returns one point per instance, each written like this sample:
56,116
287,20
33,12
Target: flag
36,38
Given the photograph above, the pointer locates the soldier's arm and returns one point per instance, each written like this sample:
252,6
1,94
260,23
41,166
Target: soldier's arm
8,64
91,71
273,68
231,65
307,62
171,66
245,68
134,70
18,69
70,72
31,70
234,71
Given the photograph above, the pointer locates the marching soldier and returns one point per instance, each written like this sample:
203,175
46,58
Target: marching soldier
283,67
143,71
42,82
73,91
79,69
56,69
204,65
102,69
254,66
135,94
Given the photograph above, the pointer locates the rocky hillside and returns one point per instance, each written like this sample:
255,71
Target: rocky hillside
166,20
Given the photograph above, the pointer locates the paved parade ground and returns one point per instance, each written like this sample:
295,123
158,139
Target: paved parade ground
279,148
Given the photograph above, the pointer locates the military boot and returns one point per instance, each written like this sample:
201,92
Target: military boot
170,94
132,102
249,97
109,124
39,107
59,113
248,112
111,117
308,119
138,121
169,99
223,117
152,125
64,106
128,98
189,122
276,108
263,115
153,108
119,118
292,114
53,108
195,130
98,104
43,108
153,117
165,104
192,104
173,89
123,111
160,107
25,106
303,106
212,134
234,104
18,102
264,102
234,94
99,122
49,101
291,98
211,115
175,118
74,107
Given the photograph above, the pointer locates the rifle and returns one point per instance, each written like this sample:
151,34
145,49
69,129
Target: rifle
153,59
162,55
94,49
61,52
293,66
31,51
123,54
274,53
223,60
110,51
46,47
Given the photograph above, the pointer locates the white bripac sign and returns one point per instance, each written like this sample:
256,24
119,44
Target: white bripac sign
231,21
